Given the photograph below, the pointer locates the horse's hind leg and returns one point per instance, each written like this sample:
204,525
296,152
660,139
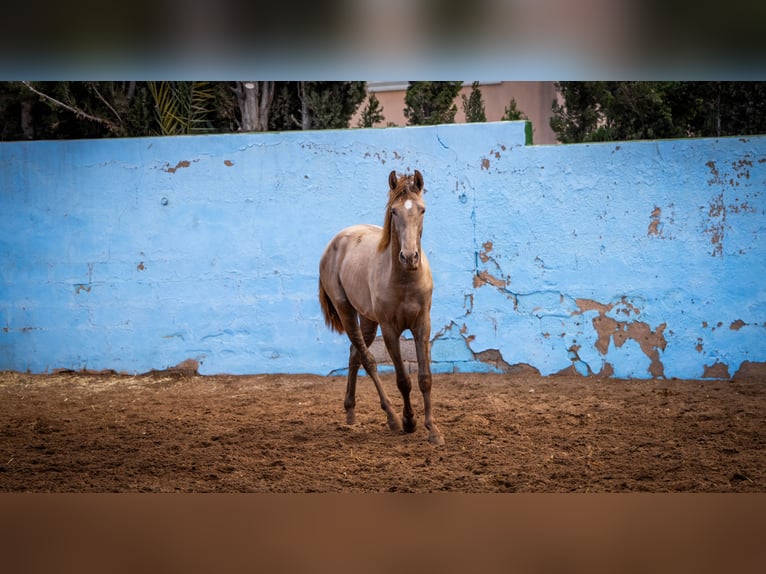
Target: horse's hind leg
369,328
348,316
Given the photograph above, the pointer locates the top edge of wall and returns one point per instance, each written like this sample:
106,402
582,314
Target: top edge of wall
520,131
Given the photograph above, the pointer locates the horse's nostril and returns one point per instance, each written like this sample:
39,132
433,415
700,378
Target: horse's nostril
410,260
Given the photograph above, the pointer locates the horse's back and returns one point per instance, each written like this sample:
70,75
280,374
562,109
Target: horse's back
353,242
344,270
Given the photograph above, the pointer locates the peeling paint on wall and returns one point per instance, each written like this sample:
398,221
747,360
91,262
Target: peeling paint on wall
181,164
654,224
716,371
651,341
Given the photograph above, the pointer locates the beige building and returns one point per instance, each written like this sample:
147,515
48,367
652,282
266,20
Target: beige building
532,98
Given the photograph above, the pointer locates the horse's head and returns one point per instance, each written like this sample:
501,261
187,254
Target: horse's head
404,217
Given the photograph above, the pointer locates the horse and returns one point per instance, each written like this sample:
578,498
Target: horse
371,276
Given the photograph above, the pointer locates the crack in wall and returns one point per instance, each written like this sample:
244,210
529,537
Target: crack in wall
491,357
608,328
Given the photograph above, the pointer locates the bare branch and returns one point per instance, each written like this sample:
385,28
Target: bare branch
76,111
107,104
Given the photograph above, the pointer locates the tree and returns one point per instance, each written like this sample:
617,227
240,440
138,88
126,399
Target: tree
331,104
182,108
59,110
473,105
430,103
254,100
512,113
605,111
372,113
581,111
315,105
17,111
70,110
724,108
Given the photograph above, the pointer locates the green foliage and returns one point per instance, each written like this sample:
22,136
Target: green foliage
431,103
512,113
372,113
71,110
332,104
182,108
607,111
314,105
473,105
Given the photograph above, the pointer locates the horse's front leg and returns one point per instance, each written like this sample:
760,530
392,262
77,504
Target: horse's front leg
423,350
391,338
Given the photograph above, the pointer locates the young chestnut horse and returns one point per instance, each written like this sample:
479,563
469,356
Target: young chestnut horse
370,276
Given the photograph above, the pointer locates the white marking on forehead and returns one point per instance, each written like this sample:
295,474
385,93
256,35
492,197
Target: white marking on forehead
408,204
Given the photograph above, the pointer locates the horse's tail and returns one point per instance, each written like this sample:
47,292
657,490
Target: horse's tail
331,317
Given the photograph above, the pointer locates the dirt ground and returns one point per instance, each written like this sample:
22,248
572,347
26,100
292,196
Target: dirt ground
170,432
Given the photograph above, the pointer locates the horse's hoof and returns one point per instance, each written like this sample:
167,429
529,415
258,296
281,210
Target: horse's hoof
394,423
350,418
436,439
409,425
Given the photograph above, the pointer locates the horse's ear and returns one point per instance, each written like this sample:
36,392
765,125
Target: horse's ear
392,180
418,180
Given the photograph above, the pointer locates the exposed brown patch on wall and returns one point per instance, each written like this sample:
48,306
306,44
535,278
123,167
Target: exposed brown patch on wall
492,357
713,170
650,341
590,305
717,224
228,163
569,371
737,325
486,278
751,370
654,224
406,346
716,371
719,209
179,165
483,255
607,371
742,168
187,368
484,163
141,266
495,358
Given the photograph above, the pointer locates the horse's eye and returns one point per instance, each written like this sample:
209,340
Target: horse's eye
394,212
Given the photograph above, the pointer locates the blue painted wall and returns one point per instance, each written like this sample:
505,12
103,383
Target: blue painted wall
626,259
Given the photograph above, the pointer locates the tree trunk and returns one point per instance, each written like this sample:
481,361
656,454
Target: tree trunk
305,108
254,102
27,120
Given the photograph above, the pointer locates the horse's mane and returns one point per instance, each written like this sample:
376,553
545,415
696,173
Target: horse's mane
404,184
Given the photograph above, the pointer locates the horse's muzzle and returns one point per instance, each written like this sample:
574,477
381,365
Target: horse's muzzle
409,261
